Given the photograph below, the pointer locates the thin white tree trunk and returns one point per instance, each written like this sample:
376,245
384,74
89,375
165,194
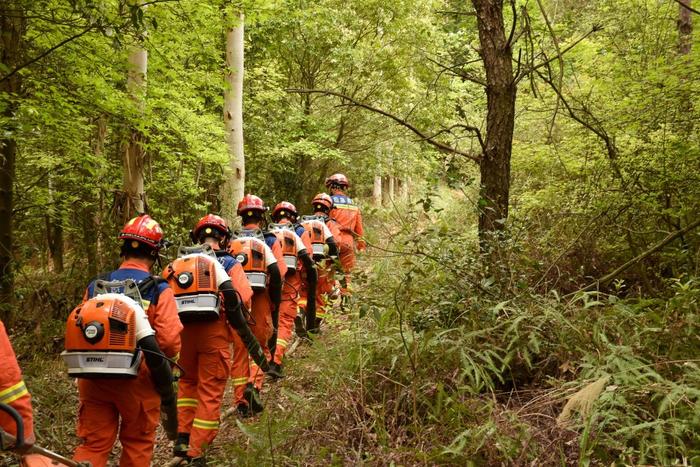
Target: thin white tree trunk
377,191
135,155
233,189
391,188
403,189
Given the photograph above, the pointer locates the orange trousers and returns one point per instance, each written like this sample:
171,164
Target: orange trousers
128,407
244,369
288,311
347,259
205,358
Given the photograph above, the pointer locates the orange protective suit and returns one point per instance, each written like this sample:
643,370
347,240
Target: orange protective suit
291,294
13,392
349,219
12,389
206,358
244,370
129,408
326,274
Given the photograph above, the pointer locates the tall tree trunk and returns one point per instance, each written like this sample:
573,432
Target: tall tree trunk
500,119
377,191
233,190
12,26
392,190
403,189
135,154
92,215
54,228
685,27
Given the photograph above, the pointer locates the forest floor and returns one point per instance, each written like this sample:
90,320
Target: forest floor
256,440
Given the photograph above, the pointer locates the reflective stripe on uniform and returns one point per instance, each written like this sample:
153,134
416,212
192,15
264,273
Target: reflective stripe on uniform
187,402
240,381
13,393
205,424
282,343
345,206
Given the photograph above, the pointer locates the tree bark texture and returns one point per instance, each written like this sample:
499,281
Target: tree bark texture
685,27
12,27
500,118
135,154
233,189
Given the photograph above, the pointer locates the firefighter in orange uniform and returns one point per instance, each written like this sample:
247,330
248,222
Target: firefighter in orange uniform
261,257
323,232
130,408
349,218
206,337
14,393
296,254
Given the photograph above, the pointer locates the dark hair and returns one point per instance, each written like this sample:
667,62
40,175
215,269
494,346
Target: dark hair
255,216
216,234
141,251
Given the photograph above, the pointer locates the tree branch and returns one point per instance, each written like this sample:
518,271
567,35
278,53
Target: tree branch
428,139
47,52
534,67
687,7
669,238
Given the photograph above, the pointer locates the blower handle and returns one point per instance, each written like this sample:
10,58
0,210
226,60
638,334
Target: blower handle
19,441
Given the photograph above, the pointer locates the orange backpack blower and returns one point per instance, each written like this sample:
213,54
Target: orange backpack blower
249,249
314,226
193,279
287,239
101,333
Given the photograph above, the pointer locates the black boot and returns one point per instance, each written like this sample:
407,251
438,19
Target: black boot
299,329
252,395
275,371
182,444
243,411
198,462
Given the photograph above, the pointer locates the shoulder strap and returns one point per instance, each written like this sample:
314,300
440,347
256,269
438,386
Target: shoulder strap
149,288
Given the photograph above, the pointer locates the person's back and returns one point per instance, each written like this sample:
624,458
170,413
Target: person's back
297,255
349,218
198,277
262,262
130,408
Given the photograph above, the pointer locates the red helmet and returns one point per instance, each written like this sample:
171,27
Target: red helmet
322,200
143,229
337,179
209,223
284,208
251,203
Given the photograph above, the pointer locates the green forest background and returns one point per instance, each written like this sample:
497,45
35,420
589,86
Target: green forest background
563,332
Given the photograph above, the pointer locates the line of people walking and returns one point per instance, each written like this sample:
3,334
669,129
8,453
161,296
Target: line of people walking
227,307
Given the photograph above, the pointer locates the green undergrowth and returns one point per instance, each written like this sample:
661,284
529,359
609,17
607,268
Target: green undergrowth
437,362
440,363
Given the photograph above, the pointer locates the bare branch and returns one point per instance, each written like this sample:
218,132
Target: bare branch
509,42
533,68
687,7
428,139
47,52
